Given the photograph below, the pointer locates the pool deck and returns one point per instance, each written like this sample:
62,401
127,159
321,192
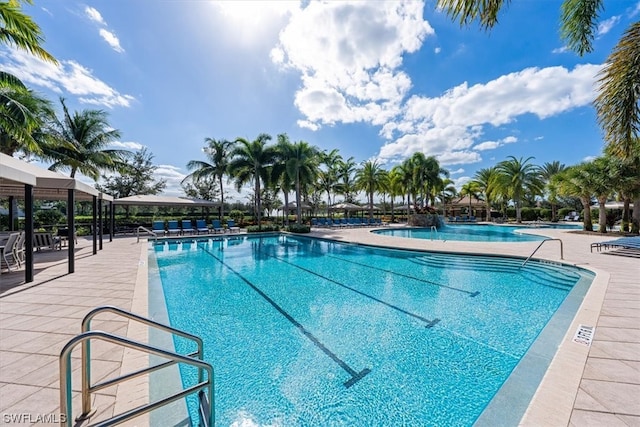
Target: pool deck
596,385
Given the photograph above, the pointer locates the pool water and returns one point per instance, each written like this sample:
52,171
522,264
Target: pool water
465,232
302,331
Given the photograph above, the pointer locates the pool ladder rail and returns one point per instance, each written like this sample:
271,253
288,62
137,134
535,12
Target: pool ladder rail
538,247
143,229
203,387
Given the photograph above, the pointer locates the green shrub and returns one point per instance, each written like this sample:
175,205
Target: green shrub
302,228
48,217
545,214
236,215
263,229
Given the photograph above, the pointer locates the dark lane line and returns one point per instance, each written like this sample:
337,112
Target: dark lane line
430,323
355,376
472,294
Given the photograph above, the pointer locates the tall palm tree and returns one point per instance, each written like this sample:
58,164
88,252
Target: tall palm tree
250,162
19,30
370,179
346,170
547,172
601,170
617,101
217,153
394,187
519,176
405,169
488,184
328,177
426,171
279,175
88,132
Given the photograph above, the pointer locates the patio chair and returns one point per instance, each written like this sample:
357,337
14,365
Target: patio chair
6,251
43,241
158,227
18,249
187,227
173,227
233,228
216,226
201,226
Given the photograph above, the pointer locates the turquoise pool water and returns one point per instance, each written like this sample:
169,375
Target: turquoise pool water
466,232
306,332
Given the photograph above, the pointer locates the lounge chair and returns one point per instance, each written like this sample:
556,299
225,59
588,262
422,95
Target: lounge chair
158,227
233,228
173,227
187,227
43,241
632,243
216,226
201,226
6,251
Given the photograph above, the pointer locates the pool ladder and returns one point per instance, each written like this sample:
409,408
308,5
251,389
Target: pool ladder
205,403
536,250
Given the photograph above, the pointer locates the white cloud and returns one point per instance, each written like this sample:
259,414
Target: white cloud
538,138
173,176
460,181
589,158
492,145
635,11
562,49
111,40
437,50
107,35
356,79
457,171
448,126
127,145
67,77
605,26
94,15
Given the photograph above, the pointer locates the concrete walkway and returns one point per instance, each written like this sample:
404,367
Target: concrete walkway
597,385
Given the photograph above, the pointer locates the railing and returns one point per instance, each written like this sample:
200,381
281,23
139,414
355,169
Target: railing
194,359
434,229
146,230
541,243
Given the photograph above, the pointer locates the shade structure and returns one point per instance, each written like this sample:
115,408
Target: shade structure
161,200
345,206
403,208
612,205
292,205
48,185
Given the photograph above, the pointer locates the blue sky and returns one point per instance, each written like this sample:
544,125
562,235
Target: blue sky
376,80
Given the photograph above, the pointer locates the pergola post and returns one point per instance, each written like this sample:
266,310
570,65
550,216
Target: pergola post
12,213
28,233
94,223
71,229
100,225
112,221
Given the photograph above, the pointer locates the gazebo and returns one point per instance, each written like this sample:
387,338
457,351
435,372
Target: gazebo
467,206
19,179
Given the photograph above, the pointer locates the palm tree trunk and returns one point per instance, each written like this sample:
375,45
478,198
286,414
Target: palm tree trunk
221,199
586,210
258,202
488,215
635,224
298,201
518,212
602,215
286,207
625,214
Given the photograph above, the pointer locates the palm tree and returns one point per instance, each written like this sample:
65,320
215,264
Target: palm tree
24,117
370,178
88,133
19,30
328,178
217,153
250,162
405,169
279,175
394,187
547,172
517,177
487,180
617,101
471,189
345,186
426,171
578,181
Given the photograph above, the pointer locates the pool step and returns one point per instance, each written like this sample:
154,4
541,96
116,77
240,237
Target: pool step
533,271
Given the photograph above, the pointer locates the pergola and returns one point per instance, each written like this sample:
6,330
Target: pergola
19,179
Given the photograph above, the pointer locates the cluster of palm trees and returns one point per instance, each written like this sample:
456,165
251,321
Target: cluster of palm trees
309,173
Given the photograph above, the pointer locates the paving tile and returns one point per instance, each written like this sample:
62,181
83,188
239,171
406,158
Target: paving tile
612,370
615,350
13,393
604,396
618,334
581,418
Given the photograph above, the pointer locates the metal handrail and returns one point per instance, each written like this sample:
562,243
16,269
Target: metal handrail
65,378
541,243
143,228
433,228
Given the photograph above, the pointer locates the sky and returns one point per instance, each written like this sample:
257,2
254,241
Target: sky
376,80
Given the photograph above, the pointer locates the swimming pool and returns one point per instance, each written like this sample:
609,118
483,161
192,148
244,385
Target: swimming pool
302,331
466,232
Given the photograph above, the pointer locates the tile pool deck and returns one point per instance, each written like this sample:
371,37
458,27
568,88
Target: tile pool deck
596,385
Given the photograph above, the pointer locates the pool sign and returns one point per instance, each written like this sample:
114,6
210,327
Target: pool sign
584,335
